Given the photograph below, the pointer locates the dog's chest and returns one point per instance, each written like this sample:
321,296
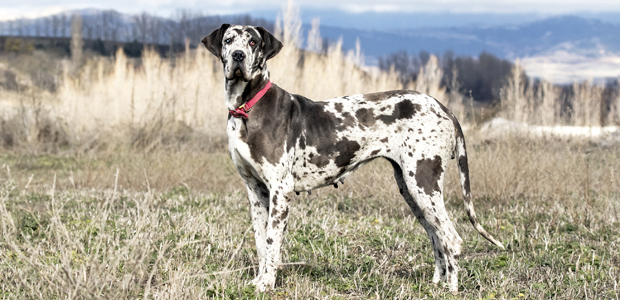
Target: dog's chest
239,149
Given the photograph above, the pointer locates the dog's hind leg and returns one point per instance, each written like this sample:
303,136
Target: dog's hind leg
258,197
425,198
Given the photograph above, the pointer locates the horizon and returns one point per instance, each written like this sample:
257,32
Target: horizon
29,9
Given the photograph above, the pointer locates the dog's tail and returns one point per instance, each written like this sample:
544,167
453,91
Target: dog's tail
461,155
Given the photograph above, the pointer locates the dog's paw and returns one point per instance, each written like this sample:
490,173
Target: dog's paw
264,283
256,280
262,287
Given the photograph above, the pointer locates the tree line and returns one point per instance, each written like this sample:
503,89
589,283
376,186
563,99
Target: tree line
110,25
483,78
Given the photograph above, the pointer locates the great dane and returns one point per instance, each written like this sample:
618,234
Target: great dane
282,143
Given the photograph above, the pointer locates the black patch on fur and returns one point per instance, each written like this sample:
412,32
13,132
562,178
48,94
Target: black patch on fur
465,169
348,121
284,214
374,152
428,172
384,140
402,110
365,117
338,107
346,152
411,173
269,241
320,161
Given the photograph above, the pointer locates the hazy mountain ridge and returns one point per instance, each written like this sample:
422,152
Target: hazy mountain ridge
587,37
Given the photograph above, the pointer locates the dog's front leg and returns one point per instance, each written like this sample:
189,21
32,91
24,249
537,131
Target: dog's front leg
258,197
278,219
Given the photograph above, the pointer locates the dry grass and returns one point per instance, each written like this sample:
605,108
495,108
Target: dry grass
174,225
543,104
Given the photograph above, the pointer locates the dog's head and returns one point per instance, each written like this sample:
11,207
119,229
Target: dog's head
242,49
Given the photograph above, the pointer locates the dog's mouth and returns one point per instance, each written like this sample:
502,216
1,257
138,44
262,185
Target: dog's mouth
237,72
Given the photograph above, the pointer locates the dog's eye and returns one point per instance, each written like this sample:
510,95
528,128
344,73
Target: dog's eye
252,42
228,41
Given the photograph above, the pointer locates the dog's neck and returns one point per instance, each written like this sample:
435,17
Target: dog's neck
239,92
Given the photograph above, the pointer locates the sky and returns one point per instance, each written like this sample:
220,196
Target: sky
11,9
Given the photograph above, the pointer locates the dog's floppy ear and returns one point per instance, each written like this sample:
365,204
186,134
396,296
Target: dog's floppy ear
213,41
271,45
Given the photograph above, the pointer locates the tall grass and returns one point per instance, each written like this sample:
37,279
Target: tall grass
523,100
154,101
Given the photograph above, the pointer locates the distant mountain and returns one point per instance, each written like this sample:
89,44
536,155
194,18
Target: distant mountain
587,37
385,21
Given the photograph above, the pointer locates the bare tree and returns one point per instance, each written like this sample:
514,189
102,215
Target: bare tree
105,25
20,27
115,26
63,25
37,27
76,40
47,27
55,25
11,28
141,26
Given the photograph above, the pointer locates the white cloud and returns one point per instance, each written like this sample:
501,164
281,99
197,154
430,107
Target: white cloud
33,8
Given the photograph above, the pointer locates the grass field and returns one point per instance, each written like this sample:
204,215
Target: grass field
175,225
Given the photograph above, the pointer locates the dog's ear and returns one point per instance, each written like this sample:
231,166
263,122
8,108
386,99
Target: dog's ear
271,45
213,41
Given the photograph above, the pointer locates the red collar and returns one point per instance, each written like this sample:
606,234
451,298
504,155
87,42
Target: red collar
242,110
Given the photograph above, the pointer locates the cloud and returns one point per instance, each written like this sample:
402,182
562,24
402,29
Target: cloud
36,8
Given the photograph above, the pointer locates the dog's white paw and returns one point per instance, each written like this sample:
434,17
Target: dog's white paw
264,283
262,287
256,280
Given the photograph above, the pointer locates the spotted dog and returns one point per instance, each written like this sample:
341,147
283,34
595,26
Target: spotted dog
282,143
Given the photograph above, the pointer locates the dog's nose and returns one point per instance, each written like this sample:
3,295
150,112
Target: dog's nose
238,55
